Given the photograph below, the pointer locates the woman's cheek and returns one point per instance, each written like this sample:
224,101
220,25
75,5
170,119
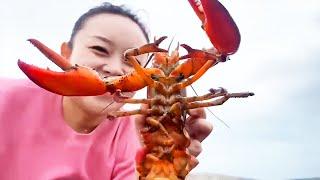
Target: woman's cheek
90,104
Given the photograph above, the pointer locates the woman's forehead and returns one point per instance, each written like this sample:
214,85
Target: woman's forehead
117,28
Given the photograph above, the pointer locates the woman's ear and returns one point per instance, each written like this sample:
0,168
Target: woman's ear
65,50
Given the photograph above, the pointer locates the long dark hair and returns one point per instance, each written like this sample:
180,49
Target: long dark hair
107,7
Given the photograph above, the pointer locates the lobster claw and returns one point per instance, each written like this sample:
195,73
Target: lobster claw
75,81
218,24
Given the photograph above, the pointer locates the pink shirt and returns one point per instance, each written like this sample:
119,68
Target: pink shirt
36,143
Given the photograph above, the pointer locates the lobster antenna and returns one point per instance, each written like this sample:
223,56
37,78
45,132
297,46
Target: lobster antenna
149,59
107,106
218,118
171,42
211,111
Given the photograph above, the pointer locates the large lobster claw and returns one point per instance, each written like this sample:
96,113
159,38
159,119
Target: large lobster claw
218,24
75,81
83,81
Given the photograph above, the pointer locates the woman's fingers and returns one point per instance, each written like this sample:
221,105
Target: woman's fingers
193,162
195,147
197,126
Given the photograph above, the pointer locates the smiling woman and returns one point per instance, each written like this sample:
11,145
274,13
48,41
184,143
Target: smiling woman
63,132
100,47
48,136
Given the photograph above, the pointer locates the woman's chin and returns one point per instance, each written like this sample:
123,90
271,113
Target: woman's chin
106,103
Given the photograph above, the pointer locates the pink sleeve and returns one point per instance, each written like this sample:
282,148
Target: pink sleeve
125,161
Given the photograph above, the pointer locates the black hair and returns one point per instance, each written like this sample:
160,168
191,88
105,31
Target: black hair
107,7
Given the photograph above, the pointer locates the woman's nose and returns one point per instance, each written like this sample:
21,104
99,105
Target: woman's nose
112,70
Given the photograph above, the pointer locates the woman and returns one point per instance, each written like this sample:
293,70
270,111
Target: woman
47,136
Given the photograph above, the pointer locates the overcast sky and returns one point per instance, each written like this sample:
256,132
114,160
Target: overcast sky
273,135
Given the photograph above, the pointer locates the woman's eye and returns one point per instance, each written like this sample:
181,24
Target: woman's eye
99,50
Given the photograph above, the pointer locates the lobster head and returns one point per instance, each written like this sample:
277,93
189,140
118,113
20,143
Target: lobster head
218,24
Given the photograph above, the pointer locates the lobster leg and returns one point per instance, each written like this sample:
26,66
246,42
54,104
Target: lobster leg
148,48
212,94
197,59
116,114
140,70
198,54
194,78
208,59
174,110
120,98
131,81
132,101
219,101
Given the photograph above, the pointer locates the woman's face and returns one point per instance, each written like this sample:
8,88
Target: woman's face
100,44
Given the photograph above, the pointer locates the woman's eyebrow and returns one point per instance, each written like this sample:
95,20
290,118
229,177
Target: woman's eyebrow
104,39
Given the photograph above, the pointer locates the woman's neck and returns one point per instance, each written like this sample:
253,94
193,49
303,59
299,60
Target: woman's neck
77,118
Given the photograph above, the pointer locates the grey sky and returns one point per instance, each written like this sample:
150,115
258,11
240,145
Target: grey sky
273,135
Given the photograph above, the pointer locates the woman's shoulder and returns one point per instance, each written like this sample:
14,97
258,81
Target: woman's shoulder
17,86
22,101
22,90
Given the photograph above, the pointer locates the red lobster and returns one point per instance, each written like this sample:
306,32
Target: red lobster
164,154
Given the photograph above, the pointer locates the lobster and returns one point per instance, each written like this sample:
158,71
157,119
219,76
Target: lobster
164,154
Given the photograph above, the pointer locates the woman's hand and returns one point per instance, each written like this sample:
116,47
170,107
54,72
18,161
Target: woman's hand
198,128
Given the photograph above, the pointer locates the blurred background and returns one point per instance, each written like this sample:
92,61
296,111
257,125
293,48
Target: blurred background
273,135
